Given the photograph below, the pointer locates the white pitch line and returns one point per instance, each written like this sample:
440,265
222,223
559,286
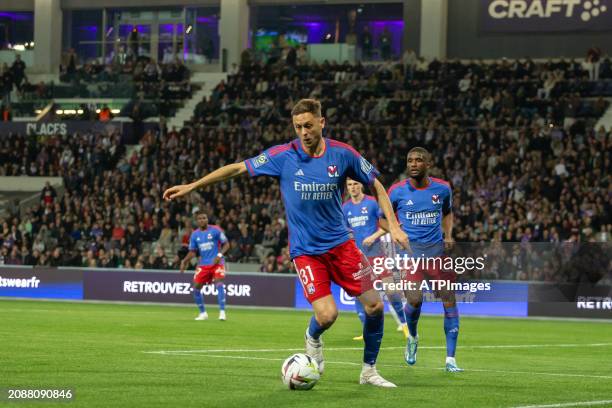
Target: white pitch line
569,404
499,346
395,365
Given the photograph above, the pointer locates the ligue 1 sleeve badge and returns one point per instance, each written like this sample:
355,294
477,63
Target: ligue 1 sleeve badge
260,160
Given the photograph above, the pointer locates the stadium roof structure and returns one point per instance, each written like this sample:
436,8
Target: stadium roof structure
26,5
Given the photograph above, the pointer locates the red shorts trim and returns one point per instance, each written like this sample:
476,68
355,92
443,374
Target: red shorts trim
344,265
204,274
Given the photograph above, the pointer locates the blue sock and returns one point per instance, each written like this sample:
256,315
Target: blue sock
314,329
360,311
372,336
398,306
451,329
197,296
412,317
221,295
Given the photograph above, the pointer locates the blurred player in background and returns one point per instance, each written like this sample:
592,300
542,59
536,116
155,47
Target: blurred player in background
312,171
362,213
209,243
424,208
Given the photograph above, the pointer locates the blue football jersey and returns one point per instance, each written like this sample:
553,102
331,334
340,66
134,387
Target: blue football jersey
207,243
420,212
311,189
362,219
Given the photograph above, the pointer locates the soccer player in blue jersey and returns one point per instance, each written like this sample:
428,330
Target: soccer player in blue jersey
312,171
362,213
423,205
209,243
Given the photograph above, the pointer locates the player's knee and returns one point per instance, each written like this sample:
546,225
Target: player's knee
447,297
415,303
326,318
415,298
375,308
449,303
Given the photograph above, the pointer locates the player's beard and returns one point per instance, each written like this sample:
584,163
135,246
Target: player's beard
417,175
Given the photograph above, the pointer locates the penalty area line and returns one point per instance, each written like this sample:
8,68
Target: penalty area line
484,346
395,366
569,404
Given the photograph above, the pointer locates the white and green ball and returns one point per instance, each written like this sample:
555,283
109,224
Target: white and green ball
300,372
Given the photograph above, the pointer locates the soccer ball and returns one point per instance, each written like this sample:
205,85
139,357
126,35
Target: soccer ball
300,372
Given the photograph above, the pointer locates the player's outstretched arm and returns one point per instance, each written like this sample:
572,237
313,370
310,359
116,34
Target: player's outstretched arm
224,173
397,234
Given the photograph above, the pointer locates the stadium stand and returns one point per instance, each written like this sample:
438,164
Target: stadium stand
158,89
533,167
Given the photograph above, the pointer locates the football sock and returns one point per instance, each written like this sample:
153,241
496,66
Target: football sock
221,295
398,307
412,317
197,296
314,329
360,311
372,337
451,329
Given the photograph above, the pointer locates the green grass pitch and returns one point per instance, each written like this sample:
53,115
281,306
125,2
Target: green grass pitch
110,355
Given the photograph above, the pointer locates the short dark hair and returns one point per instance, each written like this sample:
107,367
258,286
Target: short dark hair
421,150
307,106
200,212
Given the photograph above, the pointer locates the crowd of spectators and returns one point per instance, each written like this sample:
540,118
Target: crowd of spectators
516,139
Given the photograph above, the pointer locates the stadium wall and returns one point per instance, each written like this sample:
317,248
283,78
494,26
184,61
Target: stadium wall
506,298
465,40
27,184
42,129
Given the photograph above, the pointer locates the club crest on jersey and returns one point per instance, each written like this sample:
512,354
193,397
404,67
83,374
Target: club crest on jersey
209,236
435,199
260,160
332,170
310,289
364,210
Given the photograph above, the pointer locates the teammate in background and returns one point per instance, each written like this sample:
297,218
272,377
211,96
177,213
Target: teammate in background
312,171
210,243
361,213
424,207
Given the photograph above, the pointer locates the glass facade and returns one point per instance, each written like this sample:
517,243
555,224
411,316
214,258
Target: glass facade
376,27
16,28
190,34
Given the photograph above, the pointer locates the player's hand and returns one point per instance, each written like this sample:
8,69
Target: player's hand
400,238
449,243
177,191
369,241
217,260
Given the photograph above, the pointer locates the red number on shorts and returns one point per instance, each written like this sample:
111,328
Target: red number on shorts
303,275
